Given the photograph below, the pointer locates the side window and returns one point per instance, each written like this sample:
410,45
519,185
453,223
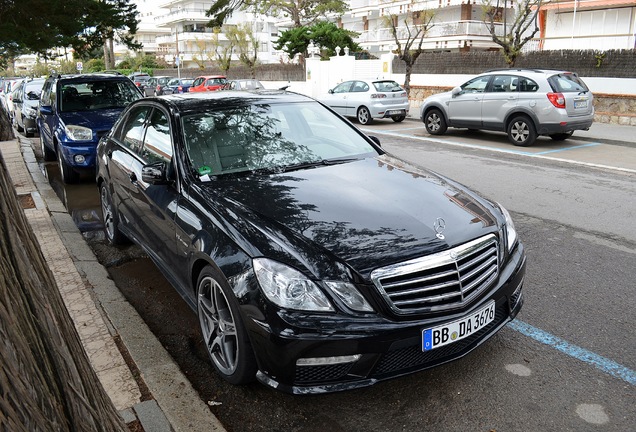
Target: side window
527,85
46,93
504,83
476,85
360,87
132,132
343,87
197,82
158,143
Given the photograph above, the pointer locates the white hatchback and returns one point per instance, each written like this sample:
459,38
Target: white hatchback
524,103
368,100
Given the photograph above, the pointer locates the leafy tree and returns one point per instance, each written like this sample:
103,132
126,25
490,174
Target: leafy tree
301,12
409,38
323,33
222,51
246,44
516,33
108,21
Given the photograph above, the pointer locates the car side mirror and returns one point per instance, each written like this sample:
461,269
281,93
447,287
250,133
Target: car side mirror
155,173
457,90
46,109
375,139
330,91
33,95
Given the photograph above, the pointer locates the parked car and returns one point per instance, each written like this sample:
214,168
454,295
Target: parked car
156,84
141,80
10,95
208,83
243,84
368,100
75,111
315,261
177,85
25,106
524,103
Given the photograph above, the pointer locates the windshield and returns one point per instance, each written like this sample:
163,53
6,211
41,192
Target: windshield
92,95
275,138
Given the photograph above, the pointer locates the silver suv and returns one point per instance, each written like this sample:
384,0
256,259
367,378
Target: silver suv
524,103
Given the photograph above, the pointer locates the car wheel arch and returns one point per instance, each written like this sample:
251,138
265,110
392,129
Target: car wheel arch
515,113
438,107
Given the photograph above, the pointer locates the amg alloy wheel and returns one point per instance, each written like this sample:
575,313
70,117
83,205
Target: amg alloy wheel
225,338
110,218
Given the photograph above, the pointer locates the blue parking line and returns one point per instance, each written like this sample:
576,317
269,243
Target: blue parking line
569,148
606,365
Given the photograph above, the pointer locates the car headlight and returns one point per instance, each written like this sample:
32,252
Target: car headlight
511,232
288,288
350,295
29,111
78,133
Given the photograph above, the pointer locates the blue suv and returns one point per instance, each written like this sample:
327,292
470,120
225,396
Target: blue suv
75,111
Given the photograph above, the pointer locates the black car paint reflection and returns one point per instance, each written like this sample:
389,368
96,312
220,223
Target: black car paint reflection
207,184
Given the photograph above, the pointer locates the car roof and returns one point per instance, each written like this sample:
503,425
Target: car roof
91,77
211,76
192,102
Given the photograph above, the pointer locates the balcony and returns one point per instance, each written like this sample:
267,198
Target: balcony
190,15
443,35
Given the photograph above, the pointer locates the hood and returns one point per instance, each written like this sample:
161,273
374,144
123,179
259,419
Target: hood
97,120
367,214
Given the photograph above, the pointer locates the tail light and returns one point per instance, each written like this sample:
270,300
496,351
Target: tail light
158,87
378,96
557,99
180,89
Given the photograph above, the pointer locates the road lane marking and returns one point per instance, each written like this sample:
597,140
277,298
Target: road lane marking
594,144
499,150
606,365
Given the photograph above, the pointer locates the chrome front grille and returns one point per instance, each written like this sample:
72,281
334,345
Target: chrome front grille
445,280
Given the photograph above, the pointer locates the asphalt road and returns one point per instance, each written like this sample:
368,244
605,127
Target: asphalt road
566,364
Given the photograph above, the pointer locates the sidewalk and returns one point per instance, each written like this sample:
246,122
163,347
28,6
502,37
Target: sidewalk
162,399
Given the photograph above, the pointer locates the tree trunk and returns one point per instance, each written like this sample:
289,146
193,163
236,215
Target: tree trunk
6,131
407,78
46,380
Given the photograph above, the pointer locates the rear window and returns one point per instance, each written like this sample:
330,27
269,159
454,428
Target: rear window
387,86
567,83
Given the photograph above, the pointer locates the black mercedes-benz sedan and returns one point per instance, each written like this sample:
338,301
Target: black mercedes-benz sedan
315,260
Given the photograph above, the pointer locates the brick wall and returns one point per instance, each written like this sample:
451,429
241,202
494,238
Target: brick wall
589,63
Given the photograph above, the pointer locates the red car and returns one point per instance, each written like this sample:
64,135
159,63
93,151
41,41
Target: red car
208,83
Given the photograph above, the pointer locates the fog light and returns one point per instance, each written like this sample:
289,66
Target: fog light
79,159
516,296
321,361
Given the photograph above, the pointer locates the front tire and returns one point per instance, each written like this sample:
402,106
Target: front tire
110,218
47,155
364,116
434,122
69,175
521,131
224,334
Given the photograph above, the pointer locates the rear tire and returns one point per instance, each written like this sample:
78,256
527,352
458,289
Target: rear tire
521,131
398,119
224,333
364,116
561,136
434,122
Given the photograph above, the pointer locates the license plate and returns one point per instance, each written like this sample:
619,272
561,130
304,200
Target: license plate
395,112
458,330
580,104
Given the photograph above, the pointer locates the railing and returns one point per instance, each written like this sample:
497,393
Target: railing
440,31
197,15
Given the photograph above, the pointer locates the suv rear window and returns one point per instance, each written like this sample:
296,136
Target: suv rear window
567,83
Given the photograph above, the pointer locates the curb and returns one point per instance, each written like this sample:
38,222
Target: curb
163,400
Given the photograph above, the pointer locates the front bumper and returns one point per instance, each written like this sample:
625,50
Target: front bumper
376,348
86,149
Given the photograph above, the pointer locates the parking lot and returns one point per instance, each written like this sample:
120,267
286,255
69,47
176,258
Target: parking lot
566,363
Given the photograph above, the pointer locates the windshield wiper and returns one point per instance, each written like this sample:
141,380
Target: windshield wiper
313,164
